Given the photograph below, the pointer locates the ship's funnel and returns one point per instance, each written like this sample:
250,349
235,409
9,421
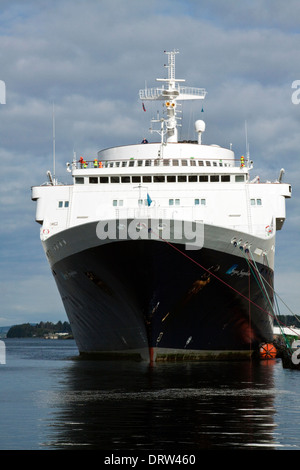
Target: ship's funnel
199,128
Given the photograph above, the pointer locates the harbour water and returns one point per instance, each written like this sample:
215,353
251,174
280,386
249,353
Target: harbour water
49,399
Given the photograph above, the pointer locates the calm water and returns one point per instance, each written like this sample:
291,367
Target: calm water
51,400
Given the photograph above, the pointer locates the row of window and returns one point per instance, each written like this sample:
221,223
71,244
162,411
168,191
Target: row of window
255,202
197,202
172,202
63,204
161,179
176,202
158,162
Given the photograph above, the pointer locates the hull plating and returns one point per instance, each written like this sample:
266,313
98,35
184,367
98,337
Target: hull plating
149,300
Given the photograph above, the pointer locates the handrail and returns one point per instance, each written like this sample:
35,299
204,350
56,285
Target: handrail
155,162
161,93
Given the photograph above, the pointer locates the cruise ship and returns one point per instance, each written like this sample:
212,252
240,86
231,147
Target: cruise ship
164,250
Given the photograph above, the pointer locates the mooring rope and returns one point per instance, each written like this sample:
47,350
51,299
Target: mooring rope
214,275
261,283
262,280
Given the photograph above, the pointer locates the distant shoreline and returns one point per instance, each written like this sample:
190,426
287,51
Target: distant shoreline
47,330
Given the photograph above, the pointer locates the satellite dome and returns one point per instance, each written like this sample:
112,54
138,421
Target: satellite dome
200,126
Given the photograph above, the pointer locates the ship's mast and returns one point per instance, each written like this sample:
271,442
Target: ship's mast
171,93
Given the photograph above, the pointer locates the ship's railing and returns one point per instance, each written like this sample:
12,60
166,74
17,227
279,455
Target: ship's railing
187,90
151,93
162,93
157,162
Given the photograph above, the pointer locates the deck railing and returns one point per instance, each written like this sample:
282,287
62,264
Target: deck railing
157,162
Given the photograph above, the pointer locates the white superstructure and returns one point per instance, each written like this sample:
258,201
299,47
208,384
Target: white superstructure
202,181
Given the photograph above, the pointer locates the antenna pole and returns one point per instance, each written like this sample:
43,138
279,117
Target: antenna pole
247,144
53,138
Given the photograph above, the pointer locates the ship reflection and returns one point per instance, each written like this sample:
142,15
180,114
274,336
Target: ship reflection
183,407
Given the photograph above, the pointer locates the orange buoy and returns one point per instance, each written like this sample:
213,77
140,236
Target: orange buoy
268,351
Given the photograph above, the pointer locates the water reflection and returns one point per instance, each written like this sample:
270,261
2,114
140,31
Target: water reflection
182,407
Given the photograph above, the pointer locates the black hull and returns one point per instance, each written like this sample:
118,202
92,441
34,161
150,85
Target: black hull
150,299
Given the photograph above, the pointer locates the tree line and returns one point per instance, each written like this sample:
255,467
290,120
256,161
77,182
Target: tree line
27,330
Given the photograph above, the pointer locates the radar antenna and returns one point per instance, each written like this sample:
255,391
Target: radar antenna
171,93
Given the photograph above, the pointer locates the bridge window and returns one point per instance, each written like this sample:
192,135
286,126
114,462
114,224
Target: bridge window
125,179
147,179
79,180
93,180
239,178
136,179
171,179
225,178
158,179
203,178
214,178
103,179
193,178
115,179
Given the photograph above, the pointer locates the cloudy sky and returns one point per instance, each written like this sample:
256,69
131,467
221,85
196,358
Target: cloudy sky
90,58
